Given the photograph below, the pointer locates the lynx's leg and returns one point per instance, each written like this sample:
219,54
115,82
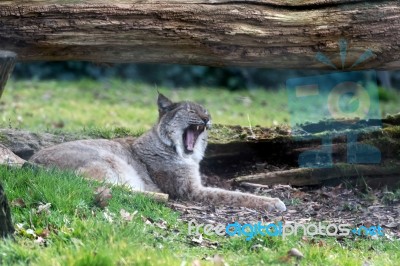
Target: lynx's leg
114,172
185,183
235,199
192,189
99,172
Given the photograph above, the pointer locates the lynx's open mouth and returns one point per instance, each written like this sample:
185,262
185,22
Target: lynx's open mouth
190,136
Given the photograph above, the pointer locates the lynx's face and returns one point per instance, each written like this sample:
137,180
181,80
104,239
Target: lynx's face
183,125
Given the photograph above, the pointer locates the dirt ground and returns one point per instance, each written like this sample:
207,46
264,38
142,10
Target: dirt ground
337,205
262,150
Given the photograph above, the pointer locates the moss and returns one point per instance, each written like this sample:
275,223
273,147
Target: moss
225,133
393,131
392,119
3,138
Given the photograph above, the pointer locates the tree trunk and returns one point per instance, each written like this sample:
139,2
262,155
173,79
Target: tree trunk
7,62
373,175
6,226
257,33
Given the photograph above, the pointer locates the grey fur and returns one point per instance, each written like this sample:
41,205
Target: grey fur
160,160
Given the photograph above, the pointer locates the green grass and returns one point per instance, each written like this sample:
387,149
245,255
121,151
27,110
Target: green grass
72,106
79,234
115,108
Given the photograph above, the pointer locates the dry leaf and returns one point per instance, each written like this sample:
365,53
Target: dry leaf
299,194
147,220
367,224
321,243
45,233
44,208
304,239
18,203
102,196
392,225
108,216
161,224
125,215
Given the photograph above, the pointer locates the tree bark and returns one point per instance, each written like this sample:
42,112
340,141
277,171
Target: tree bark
339,173
256,33
7,62
6,226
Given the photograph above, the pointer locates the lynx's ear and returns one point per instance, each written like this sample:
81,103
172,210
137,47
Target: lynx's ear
163,104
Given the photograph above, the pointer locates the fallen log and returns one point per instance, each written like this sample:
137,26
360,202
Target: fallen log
256,33
320,176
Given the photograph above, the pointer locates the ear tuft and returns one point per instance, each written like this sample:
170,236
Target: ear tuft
163,103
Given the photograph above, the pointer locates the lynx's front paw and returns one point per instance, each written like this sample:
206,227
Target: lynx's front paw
275,204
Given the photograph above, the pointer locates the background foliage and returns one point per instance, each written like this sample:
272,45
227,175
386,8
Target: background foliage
167,75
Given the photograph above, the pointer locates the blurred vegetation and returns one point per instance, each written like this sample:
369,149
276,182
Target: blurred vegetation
112,101
113,107
116,104
175,76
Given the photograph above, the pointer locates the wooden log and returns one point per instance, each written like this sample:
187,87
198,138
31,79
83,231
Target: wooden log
7,62
317,176
257,33
6,226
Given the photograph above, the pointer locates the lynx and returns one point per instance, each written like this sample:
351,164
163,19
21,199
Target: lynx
165,159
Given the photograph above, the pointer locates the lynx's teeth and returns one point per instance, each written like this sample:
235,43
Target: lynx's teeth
197,127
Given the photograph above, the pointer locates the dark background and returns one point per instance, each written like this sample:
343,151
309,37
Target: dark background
176,76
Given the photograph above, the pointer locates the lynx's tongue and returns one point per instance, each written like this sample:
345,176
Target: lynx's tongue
190,137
